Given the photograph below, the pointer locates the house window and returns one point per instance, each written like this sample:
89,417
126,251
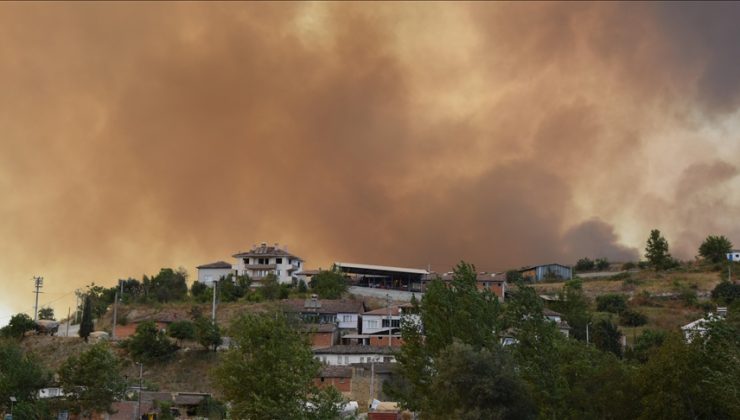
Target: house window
346,360
278,273
278,260
394,323
341,380
372,324
339,360
346,318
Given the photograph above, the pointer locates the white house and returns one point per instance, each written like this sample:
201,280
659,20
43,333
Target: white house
699,327
208,273
347,355
262,260
734,255
381,319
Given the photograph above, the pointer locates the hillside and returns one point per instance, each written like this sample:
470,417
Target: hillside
658,295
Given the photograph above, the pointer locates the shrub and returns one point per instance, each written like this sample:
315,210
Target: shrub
632,318
150,344
181,330
611,302
602,264
726,292
629,265
584,264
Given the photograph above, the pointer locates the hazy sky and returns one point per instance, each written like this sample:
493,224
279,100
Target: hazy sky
137,136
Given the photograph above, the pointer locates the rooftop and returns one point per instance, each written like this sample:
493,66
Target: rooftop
217,264
324,306
264,250
355,349
379,268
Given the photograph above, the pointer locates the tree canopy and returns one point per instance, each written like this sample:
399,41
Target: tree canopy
92,380
87,324
656,251
21,374
17,327
269,372
150,344
329,285
715,248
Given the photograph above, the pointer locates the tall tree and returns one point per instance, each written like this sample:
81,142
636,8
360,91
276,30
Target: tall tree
86,325
656,251
21,374
207,333
715,248
285,390
450,313
574,305
92,380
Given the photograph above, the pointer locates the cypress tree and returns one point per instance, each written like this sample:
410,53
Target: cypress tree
86,326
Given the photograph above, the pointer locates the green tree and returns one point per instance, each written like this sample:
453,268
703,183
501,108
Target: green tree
86,325
211,408
611,302
726,292
270,289
574,305
606,337
18,325
285,389
457,312
167,286
584,264
181,330
632,318
477,384
92,380
601,264
46,313
329,285
656,251
200,292
149,344
645,344
21,374
715,248
207,333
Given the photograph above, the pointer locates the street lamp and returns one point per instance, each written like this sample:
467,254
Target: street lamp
13,400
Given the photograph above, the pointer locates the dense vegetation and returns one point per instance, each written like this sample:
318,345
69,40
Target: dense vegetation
546,375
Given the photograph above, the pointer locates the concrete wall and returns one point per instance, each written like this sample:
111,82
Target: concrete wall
347,359
209,275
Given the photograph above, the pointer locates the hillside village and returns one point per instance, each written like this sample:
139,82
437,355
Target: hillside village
355,318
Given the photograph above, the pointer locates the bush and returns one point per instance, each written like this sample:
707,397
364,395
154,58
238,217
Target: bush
584,264
602,264
611,302
181,330
726,292
632,318
629,265
150,344
329,285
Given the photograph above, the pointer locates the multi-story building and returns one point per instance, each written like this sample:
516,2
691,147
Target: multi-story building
262,260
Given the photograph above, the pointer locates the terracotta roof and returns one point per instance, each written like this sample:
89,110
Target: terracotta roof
355,349
327,306
541,265
550,312
265,251
379,367
217,264
336,372
395,311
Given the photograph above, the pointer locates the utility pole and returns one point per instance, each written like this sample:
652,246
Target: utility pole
69,320
141,388
213,306
115,315
390,326
38,283
587,324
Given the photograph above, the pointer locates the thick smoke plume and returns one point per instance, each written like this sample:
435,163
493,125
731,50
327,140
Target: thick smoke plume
136,136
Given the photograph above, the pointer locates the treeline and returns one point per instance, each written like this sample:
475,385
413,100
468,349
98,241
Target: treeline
457,367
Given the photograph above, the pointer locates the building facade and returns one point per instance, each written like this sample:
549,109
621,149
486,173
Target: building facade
263,260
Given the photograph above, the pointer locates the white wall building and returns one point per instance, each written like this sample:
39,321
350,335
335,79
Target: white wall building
262,260
346,355
734,255
208,273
